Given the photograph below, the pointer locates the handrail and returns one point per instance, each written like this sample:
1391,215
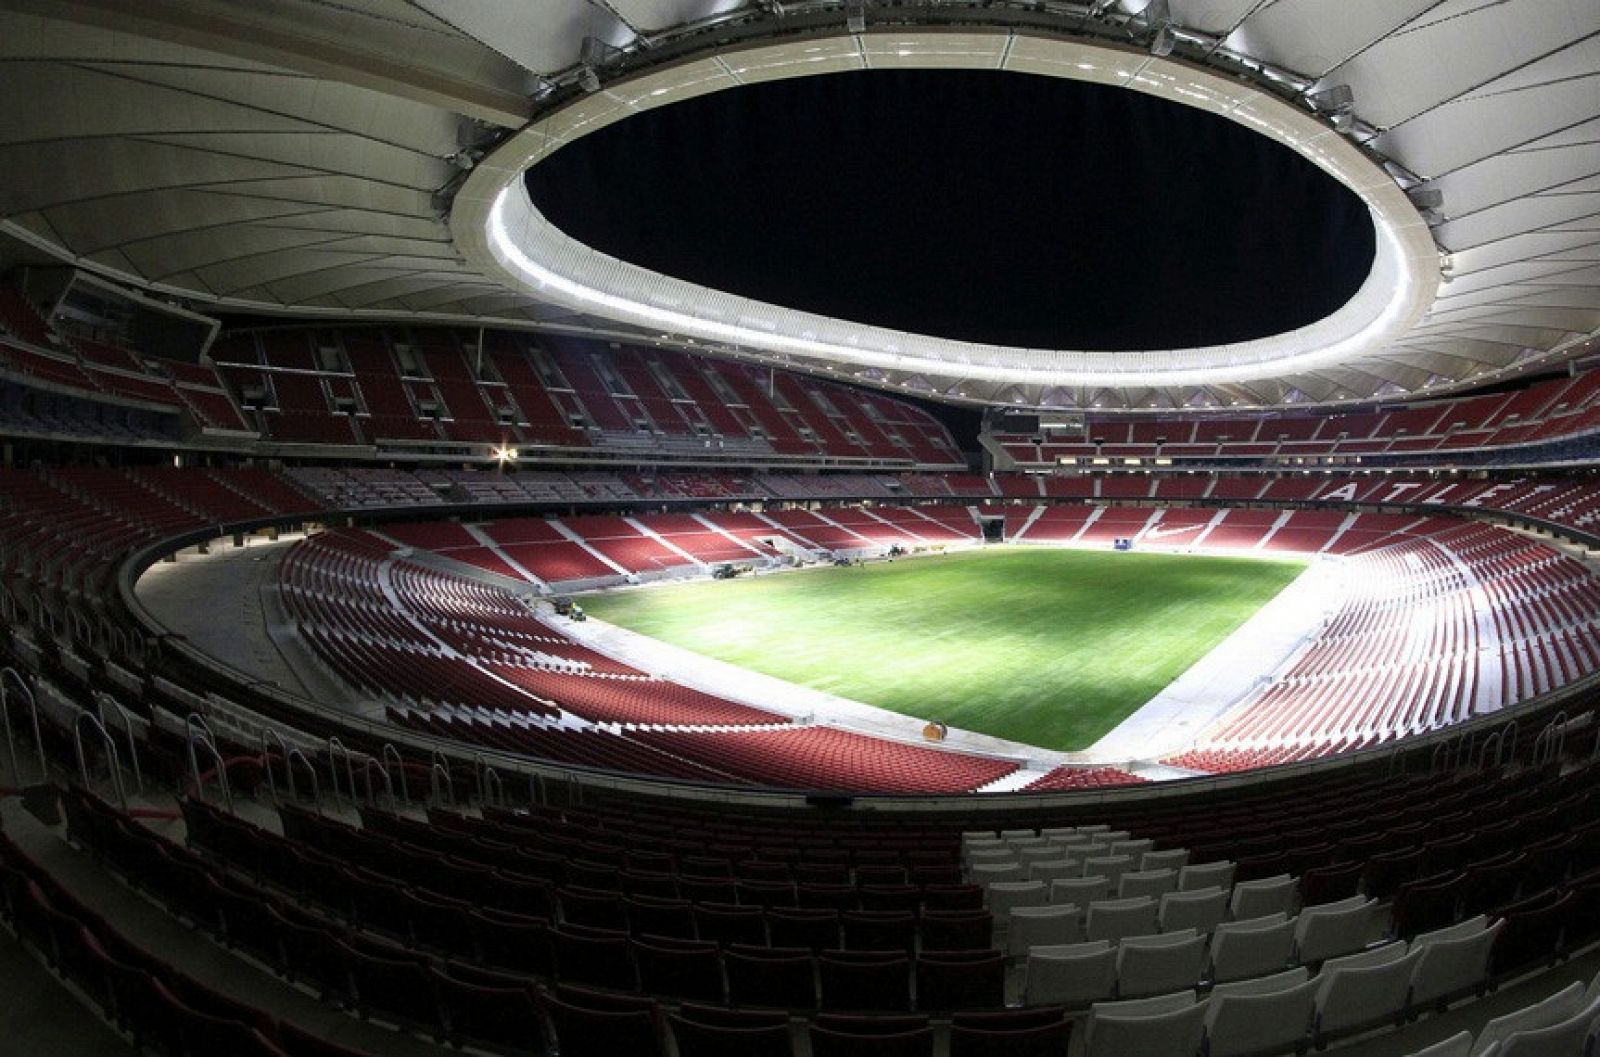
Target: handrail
266,764
290,753
1491,742
439,763
1559,725
400,762
82,630
368,762
296,753
43,615
119,640
101,700
5,720
111,754
1552,740
337,748
491,780
1539,744
197,733
1511,733
435,770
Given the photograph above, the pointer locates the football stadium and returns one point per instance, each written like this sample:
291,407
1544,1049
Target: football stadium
800,528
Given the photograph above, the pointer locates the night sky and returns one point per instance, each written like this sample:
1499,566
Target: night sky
978,205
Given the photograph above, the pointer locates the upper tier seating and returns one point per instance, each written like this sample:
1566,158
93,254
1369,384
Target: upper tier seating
1544,411
95,368
399,386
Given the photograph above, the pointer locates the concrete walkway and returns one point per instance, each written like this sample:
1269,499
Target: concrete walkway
1232,670
226,604
777,695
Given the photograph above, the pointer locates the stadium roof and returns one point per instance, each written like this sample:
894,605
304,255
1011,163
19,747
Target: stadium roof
303,156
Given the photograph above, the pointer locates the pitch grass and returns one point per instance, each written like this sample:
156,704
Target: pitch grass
1045,646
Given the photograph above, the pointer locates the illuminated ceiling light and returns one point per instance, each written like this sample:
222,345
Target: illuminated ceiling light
523,247
504,455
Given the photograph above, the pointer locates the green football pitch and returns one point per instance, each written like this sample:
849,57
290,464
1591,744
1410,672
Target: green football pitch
1045,646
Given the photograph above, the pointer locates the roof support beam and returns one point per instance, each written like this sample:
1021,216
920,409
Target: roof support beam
210,27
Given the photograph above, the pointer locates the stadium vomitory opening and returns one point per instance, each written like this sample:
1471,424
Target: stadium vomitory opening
737,528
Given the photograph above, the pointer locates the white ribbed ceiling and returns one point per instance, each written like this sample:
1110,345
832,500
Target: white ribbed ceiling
283,155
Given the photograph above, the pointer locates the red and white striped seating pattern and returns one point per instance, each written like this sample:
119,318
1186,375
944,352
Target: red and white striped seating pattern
1444,620
1543,411
812,757
1082,778
455,655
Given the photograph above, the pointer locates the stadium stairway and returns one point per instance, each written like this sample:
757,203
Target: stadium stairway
1018,779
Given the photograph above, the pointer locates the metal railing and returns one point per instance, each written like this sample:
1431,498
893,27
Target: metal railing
437,772
45,616
439,767
336,749
197,734
8,677
389,751
290,754
489,782
101,700
1552,740
370,763
93,722
1503,744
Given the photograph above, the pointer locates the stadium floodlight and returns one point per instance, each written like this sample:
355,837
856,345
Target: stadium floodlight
592,55
1429,202
1339,103
1163,42
855,16
1157,17
1156,13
